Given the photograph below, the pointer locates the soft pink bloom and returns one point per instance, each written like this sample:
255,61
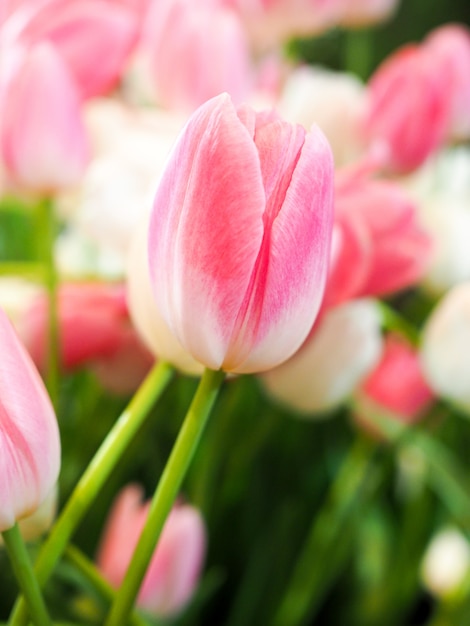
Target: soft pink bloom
342,349
94,37
177,562
94,331
397,384
42,136
240,236
379,246
194,51
270,23
409,108
450,47
29,436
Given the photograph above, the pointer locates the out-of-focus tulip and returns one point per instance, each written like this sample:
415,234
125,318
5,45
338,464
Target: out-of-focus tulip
446,345
396,385
450,47
446,563
42,136
240,236
270,23
343,348
144,312
364,12
441,191
29,436
93,37
176,564
94,331
378,233
38,523
195,51
333,100
409,108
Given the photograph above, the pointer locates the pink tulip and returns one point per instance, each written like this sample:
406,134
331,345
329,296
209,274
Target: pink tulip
195,51
94,331
409,108
240,236
397,384
29,436
450,47
42,137
176,564
379,236
94,37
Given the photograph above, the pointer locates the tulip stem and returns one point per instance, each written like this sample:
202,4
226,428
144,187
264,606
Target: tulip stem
326,544
88,569
165,493
47,240
97,472
24,573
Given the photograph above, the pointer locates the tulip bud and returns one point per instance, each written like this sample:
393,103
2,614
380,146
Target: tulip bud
446,345
408,109
239,236
342,349
42,138
396,385
176,564
29,436
446,563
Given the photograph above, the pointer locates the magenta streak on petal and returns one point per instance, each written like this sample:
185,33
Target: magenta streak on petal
279,146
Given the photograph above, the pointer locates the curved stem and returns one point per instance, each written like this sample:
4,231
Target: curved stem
88,569
24,574
94,477
165,494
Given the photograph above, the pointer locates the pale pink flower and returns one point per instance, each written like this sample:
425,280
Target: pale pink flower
345,345
29,435
361,13
409,108
93,37
396,385
94,331
240,236
42,137
195,51
176,564
449,46
380,246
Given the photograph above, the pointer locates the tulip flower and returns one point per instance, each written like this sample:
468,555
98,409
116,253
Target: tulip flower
446,563
343,348
396,385
450,48
176,564
378,232
409,108
446,344
193,52
94,331
82,31
29,435
361,13
42,137
239,236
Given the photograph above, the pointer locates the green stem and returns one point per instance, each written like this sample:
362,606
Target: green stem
47,238
166,492
23,571
358,52
23,269
324,547
94,477
393,321
89,571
